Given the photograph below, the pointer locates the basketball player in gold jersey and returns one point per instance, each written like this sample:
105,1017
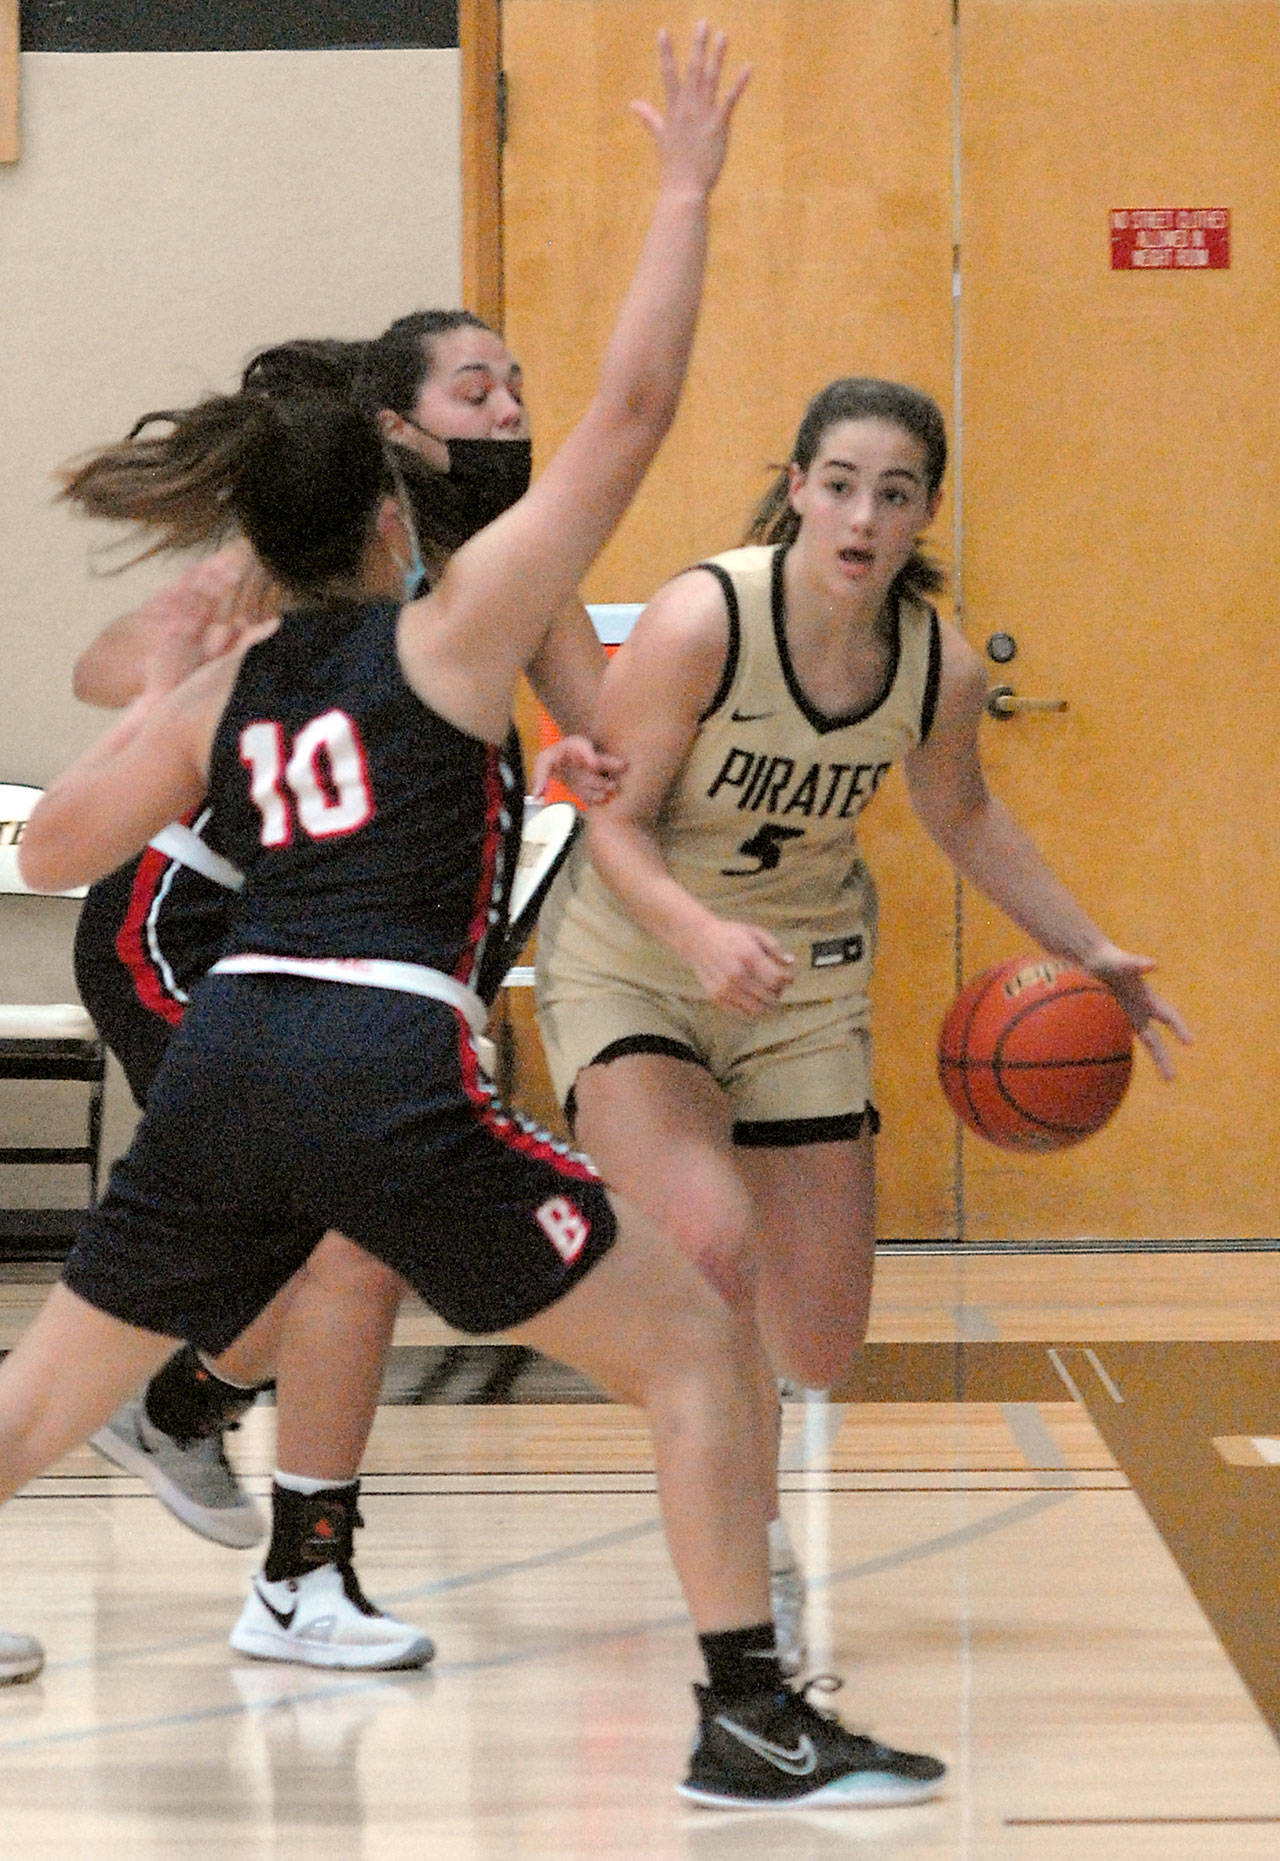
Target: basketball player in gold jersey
704,961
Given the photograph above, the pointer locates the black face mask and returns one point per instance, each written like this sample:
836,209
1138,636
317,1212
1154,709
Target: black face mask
490,474
487,476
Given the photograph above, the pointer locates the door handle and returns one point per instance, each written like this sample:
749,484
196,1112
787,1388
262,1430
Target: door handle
1003,701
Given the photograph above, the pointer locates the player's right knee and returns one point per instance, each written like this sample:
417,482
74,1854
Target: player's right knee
711,1223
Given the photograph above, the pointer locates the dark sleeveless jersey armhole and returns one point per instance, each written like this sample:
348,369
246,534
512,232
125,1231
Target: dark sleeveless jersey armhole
933,678
735,637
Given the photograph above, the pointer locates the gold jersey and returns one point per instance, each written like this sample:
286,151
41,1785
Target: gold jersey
761,822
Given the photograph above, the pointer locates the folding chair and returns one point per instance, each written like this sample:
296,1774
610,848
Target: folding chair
544,846
548,835
46,1040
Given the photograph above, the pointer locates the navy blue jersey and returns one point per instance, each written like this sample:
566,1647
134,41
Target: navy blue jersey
286,1105
162,921
147,933
365,824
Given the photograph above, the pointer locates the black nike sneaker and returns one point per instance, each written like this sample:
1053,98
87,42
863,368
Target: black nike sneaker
777,1751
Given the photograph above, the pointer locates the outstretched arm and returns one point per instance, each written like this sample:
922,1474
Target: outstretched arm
988,847
142,774
463,645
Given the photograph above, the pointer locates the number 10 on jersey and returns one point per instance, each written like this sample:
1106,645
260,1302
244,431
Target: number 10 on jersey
321,782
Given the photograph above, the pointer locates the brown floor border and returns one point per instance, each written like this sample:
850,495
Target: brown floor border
1171,1413
1139,1822
1162,1408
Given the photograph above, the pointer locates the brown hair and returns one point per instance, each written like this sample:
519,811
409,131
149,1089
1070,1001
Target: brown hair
291,460
860,397
394,365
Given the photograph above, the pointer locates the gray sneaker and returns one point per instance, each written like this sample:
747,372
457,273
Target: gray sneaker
191,1478
21,1658
787,1591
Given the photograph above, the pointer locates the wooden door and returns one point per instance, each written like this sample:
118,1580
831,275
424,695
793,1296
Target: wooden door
832,254
1118,456
1121,434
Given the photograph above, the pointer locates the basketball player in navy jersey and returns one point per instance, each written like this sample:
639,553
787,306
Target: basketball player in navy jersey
704,961
150,931
363,758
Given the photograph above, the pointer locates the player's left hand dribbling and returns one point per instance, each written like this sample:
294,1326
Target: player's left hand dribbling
1126,976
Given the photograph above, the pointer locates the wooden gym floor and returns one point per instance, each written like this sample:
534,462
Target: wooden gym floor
1041,1542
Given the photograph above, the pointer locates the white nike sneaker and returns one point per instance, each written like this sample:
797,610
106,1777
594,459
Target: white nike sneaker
21,1658
324,1619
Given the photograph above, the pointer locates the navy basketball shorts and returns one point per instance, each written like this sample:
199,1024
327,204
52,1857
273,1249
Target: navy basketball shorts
286,1106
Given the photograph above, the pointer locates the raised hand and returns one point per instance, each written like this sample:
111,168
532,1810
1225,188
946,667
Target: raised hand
693,134
201,615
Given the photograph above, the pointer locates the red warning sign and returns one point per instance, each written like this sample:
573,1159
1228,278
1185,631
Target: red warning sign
1170,238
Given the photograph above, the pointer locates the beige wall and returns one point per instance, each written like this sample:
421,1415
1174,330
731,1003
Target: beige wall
170,213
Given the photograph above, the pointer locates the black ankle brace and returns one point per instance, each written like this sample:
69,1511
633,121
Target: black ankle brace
189,1401
741,1661
310,1529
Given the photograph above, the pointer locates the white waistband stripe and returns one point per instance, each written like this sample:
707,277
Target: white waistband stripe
373,972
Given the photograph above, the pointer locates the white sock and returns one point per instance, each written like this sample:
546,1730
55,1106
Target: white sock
782,1553
303,1483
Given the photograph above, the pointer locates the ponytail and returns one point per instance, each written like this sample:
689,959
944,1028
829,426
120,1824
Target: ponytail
773,520
170,475
299,476
295,461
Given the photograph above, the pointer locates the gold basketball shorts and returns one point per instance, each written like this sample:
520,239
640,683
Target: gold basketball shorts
799,1074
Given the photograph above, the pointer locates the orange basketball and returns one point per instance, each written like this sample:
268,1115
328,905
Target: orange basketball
1035,1055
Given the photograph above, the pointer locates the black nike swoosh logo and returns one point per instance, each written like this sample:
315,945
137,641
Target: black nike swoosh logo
285,1620
749,717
